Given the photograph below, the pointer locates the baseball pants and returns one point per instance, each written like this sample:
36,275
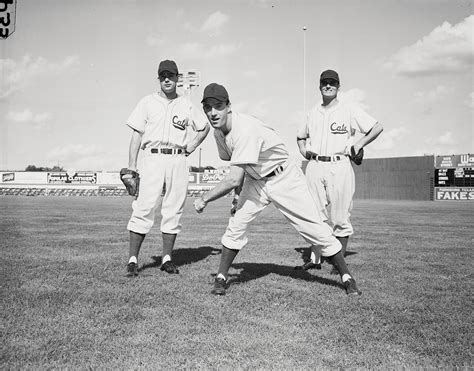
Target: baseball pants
290,194
159,169
333,185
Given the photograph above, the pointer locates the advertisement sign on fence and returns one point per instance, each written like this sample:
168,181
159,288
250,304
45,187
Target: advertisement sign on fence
452,161
8,177
454,194
72,178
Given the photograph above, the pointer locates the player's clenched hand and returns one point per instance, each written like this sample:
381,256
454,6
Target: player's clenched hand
199,204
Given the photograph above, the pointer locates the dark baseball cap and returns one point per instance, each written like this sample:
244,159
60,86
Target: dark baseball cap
216,92
169,66
329,74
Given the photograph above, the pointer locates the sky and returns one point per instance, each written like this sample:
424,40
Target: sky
73,70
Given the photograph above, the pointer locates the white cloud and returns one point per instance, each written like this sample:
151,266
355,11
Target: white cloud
354,96
432,95
447,49
389,139
214,22
445,139
38,120
17,74
442,144
199,51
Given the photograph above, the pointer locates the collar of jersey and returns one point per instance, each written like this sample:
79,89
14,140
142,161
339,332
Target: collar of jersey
166,100
322,109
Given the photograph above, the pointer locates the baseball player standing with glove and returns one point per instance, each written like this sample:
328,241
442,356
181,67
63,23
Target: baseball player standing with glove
161,123
326,139
259,162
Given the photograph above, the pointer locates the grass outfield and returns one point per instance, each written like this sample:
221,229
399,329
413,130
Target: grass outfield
66,302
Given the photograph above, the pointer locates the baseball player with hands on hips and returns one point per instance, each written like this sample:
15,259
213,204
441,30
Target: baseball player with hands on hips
259,164
161,123
326,139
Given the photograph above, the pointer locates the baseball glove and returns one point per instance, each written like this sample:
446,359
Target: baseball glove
356,158
131,180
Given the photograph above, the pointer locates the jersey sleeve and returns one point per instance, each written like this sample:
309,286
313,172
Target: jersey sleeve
361,120
198,119
302,132
138,117
246,149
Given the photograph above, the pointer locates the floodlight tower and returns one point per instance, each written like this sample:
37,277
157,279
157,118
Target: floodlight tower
187,80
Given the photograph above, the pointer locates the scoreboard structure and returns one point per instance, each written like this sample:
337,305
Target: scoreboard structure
454,178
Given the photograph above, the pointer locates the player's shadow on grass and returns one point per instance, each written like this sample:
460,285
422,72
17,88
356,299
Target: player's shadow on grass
253,271
184,256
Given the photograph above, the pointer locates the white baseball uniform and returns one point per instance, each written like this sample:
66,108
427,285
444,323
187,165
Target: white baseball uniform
269,177
165,126
329,133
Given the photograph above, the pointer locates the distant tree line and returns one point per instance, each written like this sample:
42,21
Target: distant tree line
35,168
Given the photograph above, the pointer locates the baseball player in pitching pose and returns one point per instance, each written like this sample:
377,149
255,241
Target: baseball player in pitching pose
161,123
259,159
326,139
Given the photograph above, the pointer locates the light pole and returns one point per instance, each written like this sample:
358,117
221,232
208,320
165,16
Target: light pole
304,69
200,150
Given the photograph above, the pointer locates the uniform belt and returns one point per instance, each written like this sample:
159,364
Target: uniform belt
279,169
167,151
327,158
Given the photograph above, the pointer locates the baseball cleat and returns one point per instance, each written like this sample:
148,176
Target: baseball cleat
351,287
132,269
169,267
219,286
309,265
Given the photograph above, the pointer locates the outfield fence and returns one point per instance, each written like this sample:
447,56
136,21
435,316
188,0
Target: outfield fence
438,178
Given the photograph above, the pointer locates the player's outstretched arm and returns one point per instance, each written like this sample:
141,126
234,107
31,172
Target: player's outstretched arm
232,180
198,139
